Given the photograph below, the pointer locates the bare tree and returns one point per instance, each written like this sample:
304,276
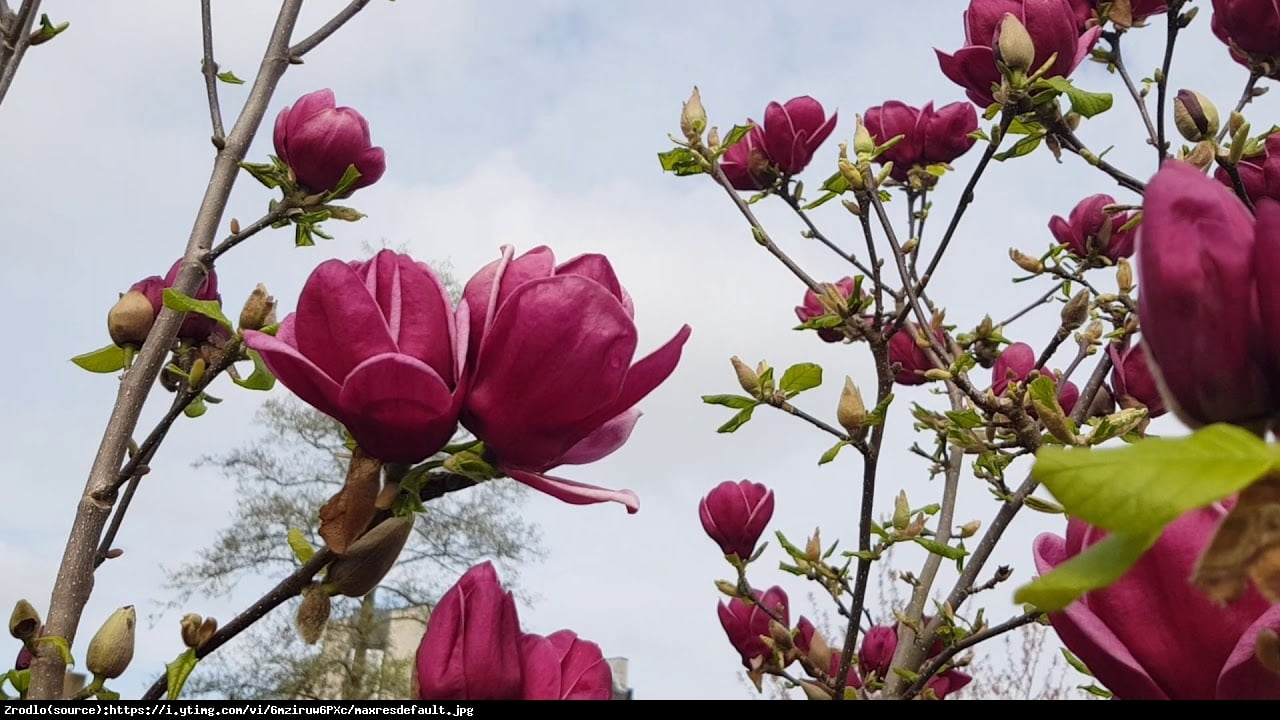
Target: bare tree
282,480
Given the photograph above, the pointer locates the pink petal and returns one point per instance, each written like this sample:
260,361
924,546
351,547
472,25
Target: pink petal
540,665
647,374
296,372
1243,677
417,307
595,267
575,493
338,324
973,68
398,408
604,441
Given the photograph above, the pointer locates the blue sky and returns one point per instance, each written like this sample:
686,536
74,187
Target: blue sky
520,123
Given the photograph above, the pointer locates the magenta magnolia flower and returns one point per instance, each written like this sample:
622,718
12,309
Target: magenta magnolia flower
1251,30
551,375
1052,25
804,641
471,650
563,666
1152,635
876,656
1259,174
1139,10
1016,363
374,345
1202,280
319,141
1088,230
1132,382
746,624
791,134
907,353
194,327
929,137
735,514
813,307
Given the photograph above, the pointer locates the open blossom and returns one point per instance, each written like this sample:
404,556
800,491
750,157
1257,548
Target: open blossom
1205,272
1152,635
745,624
1016,363
563,666
735,514
1053,26
1259,174
550,374
1251,30
930,136
1088,230
319,141
792,132
876,657
374,345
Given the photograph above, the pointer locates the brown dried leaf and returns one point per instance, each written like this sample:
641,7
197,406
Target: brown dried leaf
1267,649
1246,545
350,511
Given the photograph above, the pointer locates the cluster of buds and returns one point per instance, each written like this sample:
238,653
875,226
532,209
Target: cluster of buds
197,631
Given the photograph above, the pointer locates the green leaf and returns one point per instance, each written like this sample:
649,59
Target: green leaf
1101,692
1023,147
109,359
766,382
301,548
681,161
1142,487
345,183
836,184
737,402
47,31
830,455
1097,567
266,173
302,236
177,672
196,408
821,322
1076,662
61,643
175,300
107,695
737,133
937,548
230,78
737,421
801,377
20,680
261,378
1086,103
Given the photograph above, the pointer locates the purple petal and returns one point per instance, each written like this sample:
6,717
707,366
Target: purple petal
603,442
398,408
1243,677
299,374
338,324
575,493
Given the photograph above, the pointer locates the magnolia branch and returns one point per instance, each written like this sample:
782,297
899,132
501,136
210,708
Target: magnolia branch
1113,37
74,582
324,31
757,230
934,665
818,235
209,68
1174,24
277,214
15,40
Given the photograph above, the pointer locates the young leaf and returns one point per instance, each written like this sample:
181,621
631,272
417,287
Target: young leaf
937,548
681,161
261,378
175,300
737,402
107,359
230,78
196,408
737,421
64,650
800,377
176,672
301,548
1086,103
736,134
830,455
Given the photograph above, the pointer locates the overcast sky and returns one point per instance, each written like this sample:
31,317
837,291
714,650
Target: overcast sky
523,123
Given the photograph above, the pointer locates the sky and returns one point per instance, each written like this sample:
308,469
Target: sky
521,123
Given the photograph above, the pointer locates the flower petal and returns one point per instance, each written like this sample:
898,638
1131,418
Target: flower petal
338,324
1243,677
398,408
575,493
603,441
299,374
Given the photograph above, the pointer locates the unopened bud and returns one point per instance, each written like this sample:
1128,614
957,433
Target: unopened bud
111,649
1026,262
1235,121
728,588
207,630
693,117
851,174
1072,119
130,319
814,691
369,558
864,145
1076,311
713,139
851,413
259,310
190,626
1201,154
813,547
1195,117
970,528
313,613
901,511
1014,46
819,650
747,377
1124,276
235,226
24,621
781,636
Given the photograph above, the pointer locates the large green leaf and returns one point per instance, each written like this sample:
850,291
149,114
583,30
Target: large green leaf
1097,567
1084,102
175,300
109,359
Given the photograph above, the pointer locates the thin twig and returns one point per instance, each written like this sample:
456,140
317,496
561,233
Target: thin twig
1172,27
1246,97
1117,60
1067,137
758,232
935,664
209,68
820,237
277,213
1040,301
14,44
793,410
311,41
74,582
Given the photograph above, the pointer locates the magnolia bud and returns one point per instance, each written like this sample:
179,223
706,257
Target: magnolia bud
190,625
111,650
24,622
1235,121
747,377
693,117
970,528
1267,650
1076,311
814,691
713,139
130,319
781,636
1014,46
728,588
813,548
819,651
369,558
313,613
1202,154
1026,262
863,143
901,511
1195,117
851,413
206,632
1124,276
259,310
